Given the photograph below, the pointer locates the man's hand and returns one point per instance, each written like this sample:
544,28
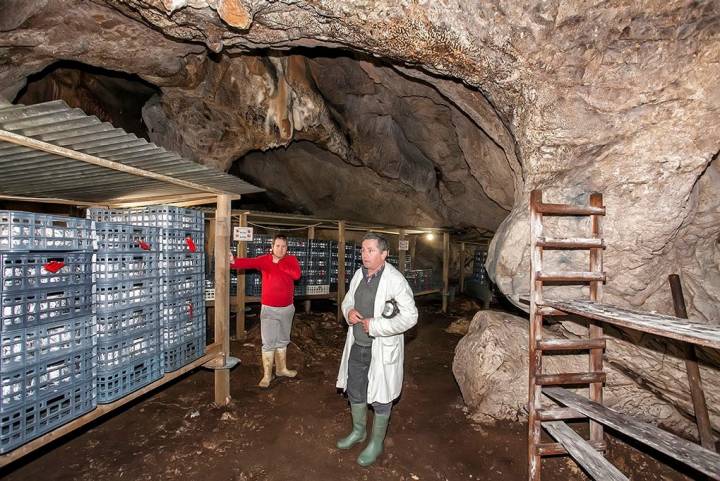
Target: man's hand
231,257
366,325
354,317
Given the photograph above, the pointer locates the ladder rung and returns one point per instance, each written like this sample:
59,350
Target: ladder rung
557,449
569,209
569,276
570,243
569,378
557,414
550,311
570,344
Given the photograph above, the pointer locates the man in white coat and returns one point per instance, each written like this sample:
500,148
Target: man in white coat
379,307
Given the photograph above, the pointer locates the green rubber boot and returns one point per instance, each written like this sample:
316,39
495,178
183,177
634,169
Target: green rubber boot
359,430
377,438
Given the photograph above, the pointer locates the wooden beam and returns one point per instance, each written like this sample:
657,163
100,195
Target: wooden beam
401,253
49,200
222,296
108,164
103,409
446,271
240,332
462,267
139,201
595,330
693,371
341,269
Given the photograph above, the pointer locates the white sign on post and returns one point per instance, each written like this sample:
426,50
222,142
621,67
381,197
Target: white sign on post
404,245
243,233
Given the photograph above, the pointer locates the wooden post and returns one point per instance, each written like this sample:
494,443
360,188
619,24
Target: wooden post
535,335
401,253
691,364
462,267
341,269
311,235
240,332
222,296
413,245
210,251
446,270
595,329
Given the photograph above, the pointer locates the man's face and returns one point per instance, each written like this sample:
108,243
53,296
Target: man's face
279,248
372,257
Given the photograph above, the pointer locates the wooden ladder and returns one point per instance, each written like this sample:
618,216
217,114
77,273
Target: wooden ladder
552,418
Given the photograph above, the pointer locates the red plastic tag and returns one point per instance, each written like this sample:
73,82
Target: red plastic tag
54,266
190,244
190,309
144,245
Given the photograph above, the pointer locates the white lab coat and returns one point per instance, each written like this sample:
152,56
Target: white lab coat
385,376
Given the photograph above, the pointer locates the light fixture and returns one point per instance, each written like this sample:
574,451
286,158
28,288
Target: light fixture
430,236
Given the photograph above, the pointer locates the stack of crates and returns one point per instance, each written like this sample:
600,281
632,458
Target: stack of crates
299,247
317,274
47,364
350,264
126,276
479,272
181,266
253,278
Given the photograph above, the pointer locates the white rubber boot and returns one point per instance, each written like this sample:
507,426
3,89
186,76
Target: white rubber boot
281,363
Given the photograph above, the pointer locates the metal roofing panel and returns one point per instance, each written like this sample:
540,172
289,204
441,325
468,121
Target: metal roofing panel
30,170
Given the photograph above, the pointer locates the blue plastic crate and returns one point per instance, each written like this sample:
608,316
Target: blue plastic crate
34,418
28,271
123,351
25,309
116,383
116,237
111,324
181,241
41,380
184,353
27,231
125,294
35,344
181,287
114,267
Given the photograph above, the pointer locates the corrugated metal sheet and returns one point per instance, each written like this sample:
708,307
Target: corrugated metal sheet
28,172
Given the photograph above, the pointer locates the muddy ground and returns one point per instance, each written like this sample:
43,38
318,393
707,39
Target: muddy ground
288,431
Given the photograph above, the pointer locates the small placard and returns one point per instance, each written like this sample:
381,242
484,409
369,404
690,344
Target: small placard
404,245
243,233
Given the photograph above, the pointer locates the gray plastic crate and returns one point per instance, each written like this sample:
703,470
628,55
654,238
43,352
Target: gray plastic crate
181,287
116,383
181,241
124,295
116,237
160,216
31,308
178,264
26,422
44,379
122,351
27,231
112,324
185,352
114,267
25,347
26,271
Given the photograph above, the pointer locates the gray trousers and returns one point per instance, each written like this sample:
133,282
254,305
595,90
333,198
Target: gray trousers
275,326
357,384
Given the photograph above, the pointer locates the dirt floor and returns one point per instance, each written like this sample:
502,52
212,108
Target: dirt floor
288,432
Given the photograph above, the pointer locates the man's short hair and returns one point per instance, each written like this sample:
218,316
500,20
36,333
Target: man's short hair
381,241
282,237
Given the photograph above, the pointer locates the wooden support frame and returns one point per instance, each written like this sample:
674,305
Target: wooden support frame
462,267
240,332
307,303
401,253
446,271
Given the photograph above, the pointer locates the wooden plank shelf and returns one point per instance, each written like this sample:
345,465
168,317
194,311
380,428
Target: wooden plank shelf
687,452
652,323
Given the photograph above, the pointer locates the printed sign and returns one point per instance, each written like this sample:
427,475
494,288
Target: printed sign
243,233
404,245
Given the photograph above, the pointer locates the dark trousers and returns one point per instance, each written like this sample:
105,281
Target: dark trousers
357,385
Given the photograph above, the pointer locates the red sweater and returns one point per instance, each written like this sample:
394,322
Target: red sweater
277,279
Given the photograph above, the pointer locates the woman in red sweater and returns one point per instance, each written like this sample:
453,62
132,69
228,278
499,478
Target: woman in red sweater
279,272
